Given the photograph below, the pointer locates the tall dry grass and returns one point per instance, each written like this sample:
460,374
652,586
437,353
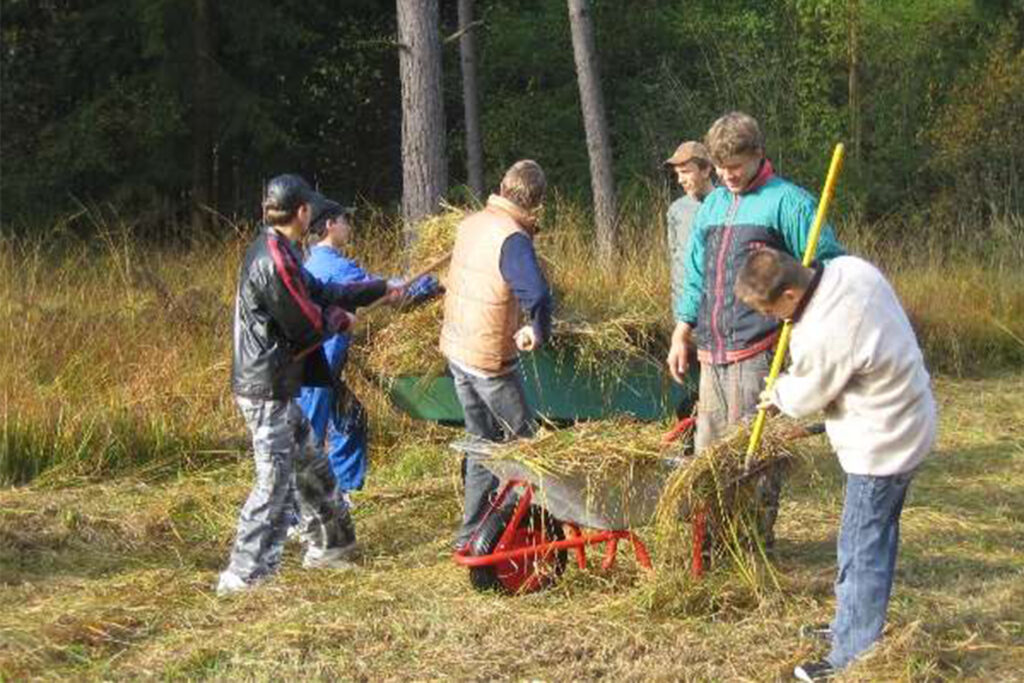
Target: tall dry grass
962,287
115,354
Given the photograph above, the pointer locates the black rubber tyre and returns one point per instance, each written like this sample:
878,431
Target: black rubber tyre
523,575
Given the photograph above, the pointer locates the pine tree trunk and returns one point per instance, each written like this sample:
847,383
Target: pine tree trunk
424,167
598,144
853,82
471,99
203,113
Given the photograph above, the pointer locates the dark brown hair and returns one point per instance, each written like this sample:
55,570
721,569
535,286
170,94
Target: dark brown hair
767,273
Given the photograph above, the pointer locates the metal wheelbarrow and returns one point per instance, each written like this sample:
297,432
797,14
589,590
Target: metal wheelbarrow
522,543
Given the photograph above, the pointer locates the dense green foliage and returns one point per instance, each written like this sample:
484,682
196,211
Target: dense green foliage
100,98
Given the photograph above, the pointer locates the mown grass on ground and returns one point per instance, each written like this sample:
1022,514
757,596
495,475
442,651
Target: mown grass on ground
114,579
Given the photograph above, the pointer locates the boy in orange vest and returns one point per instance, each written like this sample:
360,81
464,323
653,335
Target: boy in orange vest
494,277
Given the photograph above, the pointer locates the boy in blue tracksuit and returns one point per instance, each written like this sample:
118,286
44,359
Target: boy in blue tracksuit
753,208
337,416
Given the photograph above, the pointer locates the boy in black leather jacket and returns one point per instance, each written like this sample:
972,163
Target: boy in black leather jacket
282,315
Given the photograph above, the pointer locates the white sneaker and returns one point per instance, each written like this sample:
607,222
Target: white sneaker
331,558
231,583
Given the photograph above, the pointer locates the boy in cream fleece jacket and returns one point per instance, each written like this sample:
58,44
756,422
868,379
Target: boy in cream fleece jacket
855,357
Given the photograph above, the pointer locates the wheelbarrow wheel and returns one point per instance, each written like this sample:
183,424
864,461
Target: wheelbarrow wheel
523,574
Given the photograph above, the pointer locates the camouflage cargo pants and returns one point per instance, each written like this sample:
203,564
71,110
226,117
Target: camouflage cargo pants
728,395
288,467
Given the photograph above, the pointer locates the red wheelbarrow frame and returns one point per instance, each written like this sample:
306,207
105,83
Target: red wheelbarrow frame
577,541
541,548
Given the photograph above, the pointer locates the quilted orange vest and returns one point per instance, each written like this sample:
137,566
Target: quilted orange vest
481,314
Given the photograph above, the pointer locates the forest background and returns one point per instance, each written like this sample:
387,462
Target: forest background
155,107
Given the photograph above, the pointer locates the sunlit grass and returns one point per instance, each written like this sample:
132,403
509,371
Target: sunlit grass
114,363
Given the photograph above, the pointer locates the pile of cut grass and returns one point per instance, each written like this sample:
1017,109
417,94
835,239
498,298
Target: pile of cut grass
717,495
606,449
607,319
114,580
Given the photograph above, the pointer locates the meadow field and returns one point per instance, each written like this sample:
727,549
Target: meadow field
124,463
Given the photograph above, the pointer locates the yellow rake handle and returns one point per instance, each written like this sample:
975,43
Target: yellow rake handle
783,345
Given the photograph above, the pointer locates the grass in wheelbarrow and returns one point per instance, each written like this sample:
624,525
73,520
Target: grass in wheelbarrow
611,467
620,465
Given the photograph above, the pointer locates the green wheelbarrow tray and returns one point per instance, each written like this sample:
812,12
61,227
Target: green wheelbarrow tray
613,504
560,391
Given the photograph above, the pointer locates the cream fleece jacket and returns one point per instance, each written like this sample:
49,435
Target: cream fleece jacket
855,357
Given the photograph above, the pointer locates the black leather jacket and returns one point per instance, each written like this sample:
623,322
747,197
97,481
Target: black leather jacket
278,316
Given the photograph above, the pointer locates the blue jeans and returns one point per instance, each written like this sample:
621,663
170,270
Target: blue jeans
868,541
495,409
340,427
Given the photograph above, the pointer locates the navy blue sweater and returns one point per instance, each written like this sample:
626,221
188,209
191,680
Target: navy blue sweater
519,267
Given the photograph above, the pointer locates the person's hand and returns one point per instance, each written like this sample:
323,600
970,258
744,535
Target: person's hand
764,402
338,319
679,352
396,292
422,289
797,431
525,339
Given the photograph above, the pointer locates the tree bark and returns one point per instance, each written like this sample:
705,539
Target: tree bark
424,167
203,113
598,143
471,99
853,82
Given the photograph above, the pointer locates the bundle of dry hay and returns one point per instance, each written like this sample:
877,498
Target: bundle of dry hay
626,455
715,487
606,344
608,348
405,342
603,474
435,237
613,465
600,449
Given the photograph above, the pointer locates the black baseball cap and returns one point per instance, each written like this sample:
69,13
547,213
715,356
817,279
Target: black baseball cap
325,209
288,192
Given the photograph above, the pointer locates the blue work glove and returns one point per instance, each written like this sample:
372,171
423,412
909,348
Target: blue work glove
423,288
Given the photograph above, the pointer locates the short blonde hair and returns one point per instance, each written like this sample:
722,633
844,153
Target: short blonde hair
524,183
734,134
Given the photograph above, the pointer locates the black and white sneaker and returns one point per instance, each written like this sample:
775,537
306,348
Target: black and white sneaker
811,672
821,632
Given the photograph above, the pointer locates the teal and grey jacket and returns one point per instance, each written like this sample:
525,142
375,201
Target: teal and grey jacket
771,212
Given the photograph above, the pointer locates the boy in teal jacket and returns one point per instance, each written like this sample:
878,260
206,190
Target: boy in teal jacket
753,208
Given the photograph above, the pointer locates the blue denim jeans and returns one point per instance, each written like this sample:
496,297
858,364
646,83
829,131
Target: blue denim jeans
868,541
495,409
